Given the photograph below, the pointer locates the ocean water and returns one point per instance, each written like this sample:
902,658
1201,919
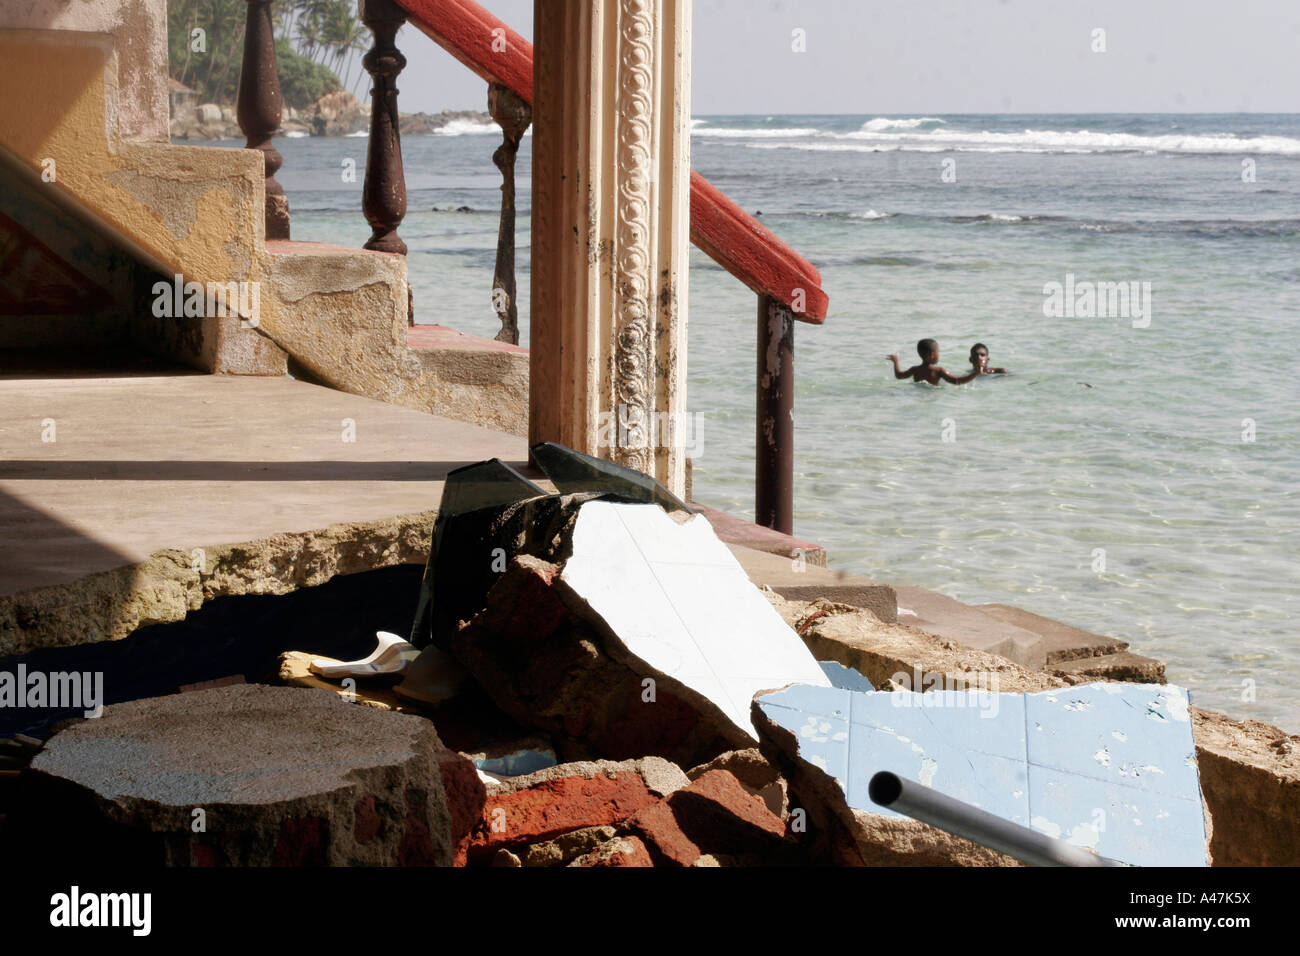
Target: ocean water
1135,475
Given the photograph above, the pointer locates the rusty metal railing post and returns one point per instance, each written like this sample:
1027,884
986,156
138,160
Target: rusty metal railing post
257,107
513,115
774,448
383,195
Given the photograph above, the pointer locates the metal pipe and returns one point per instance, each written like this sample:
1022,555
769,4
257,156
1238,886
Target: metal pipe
979,826
774,438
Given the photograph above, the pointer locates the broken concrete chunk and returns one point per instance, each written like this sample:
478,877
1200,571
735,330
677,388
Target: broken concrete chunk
561,672
278,776
567,847
1110,767
621,851
431,678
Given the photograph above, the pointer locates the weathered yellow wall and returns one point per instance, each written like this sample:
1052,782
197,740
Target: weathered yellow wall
138,29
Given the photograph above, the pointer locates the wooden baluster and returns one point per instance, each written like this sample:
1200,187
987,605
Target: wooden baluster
257,107
383,196
513,115
774,447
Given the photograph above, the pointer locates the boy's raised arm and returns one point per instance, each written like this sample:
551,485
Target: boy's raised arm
953,380
898,373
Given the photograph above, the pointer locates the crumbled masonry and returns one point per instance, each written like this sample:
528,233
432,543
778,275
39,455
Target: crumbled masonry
601,685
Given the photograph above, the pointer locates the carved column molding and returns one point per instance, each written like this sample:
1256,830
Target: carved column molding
611,221
383,194
257,107
513,115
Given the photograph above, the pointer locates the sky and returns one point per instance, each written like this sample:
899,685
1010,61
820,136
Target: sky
951,56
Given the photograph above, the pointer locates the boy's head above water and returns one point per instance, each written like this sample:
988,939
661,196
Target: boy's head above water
979,354
928,349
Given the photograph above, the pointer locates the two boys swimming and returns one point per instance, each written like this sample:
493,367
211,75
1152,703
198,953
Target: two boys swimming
929,371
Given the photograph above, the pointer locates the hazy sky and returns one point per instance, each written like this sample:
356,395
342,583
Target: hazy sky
952,56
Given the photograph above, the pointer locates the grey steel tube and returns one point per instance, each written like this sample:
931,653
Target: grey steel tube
979,826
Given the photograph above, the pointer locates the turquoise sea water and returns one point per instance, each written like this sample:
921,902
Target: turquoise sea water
1200,529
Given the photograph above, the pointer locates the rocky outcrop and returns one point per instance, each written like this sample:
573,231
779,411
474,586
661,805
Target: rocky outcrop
335,114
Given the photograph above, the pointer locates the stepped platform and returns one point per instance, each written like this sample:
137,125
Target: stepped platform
132,491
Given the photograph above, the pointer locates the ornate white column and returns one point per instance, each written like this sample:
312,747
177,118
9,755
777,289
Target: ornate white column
610,230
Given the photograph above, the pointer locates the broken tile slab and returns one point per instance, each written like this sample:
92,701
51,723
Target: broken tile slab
676,598
517,764
1120,733
1040,760
843,677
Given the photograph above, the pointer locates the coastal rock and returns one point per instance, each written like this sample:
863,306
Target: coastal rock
208,114
246,775
339,114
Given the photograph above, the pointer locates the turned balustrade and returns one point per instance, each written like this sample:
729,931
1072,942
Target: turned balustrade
787,285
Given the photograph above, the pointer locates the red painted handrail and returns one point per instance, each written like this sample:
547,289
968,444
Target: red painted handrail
726,233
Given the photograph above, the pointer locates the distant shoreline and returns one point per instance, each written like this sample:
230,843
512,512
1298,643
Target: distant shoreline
210,122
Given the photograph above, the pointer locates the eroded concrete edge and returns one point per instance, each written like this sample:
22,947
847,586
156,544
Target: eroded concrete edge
172,582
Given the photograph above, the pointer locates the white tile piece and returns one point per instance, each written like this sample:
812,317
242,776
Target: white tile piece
679,600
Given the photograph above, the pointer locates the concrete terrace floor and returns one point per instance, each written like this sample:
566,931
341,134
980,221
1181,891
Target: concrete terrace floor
148,459
146,462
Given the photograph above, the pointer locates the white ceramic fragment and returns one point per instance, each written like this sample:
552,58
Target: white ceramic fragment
679,600
390,657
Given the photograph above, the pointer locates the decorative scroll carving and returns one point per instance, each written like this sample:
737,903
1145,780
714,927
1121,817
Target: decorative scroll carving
633,368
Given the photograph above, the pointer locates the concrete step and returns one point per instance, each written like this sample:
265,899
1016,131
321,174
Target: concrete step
808,582
1122,665
471,378
951,620
1061,642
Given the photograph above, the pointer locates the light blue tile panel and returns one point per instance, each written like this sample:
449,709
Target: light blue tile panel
1108,766
845,677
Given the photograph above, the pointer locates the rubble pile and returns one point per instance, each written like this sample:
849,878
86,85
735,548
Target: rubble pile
592,680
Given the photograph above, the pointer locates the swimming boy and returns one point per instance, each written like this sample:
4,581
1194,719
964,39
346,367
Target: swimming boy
928,371
979,358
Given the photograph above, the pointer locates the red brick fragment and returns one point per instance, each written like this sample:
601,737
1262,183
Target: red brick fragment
556,806
717,812
667,843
